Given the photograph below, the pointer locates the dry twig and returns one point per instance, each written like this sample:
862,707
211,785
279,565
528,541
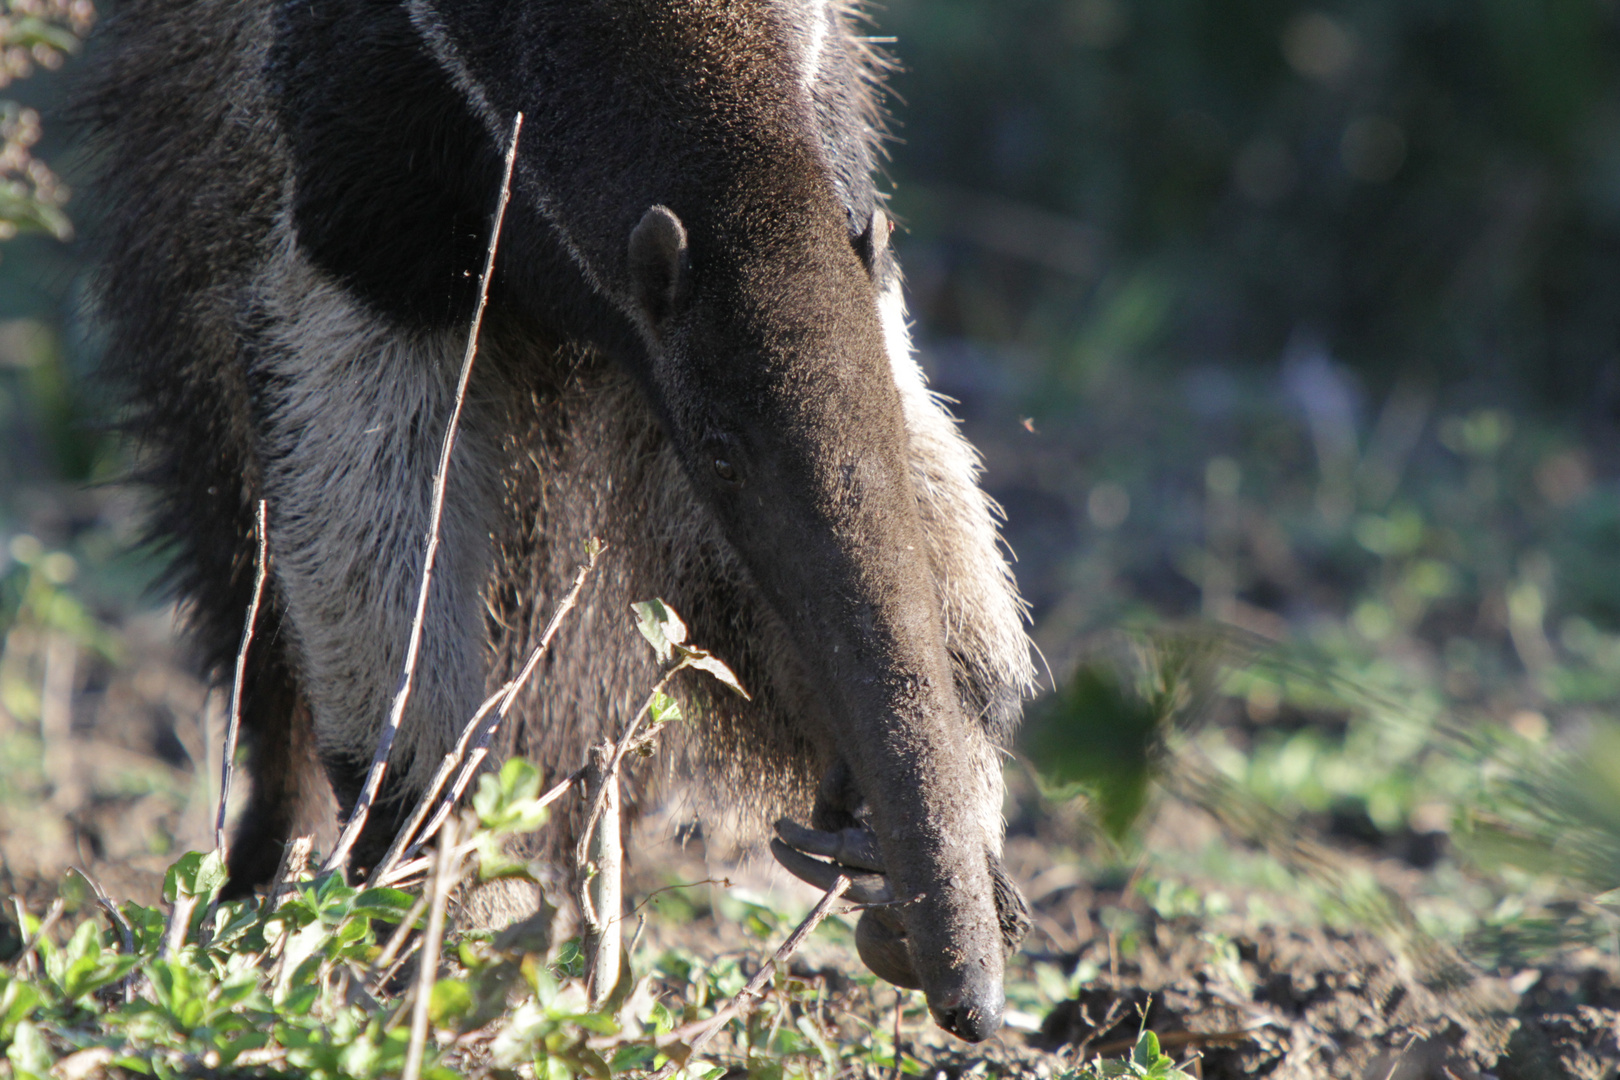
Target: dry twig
610,774
339,857
601,898
126,933
445,874
294,861
25,954
227,767
697,1034
407,843
382,967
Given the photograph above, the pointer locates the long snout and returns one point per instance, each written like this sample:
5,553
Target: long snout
931,830
810,476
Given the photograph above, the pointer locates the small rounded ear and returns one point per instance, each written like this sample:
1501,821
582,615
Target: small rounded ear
657,262
874,239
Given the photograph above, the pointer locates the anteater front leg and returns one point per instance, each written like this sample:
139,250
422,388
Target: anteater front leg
350,412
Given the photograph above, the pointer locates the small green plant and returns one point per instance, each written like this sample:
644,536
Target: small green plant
1147,1062
314,978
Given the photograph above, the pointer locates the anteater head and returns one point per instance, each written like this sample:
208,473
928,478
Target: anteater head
767,355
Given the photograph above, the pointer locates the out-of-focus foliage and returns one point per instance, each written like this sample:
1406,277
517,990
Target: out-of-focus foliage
1420,184
33,33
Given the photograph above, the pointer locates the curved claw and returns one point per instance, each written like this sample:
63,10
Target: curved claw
863,888
855,848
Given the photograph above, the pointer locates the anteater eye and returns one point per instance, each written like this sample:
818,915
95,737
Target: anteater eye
725,471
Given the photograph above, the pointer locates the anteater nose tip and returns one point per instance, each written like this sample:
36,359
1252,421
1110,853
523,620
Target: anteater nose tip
972,1017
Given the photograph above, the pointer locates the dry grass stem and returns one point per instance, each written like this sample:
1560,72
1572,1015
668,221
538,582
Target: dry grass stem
386,976
26,954
407,842
402,875
601,893
227,768
899,1014
403,846
396,942
294,861
56,720
174,931
611,772
126,933
339,857
444,879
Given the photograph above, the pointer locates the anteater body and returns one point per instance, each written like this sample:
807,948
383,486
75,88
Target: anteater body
695,349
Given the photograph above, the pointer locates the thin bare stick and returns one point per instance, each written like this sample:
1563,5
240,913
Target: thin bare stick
54,913
601,891
407,842
411,866
174,931
397,940
227,768
387,976
126,985
899,1013
402,845
611,772
402,875
444,879
697,1034
339,857
56,719
509,694
294,861
125,931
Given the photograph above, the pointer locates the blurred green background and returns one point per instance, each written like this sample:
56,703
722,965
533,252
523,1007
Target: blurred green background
1288,330
1428,188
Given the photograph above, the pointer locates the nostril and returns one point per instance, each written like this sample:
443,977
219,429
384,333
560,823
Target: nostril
970,1020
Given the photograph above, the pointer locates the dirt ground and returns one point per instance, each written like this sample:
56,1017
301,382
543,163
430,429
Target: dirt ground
124,785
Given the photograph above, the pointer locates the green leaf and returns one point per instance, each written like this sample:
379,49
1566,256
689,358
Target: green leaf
361,1058
195,875
596,1022
662,628
30,1055
634,1057
181,991
89,974
147,924
509,801
1146,1055
301,999
392,904
29,31
451,1000
17,1002
332,897
663,709
1096,736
